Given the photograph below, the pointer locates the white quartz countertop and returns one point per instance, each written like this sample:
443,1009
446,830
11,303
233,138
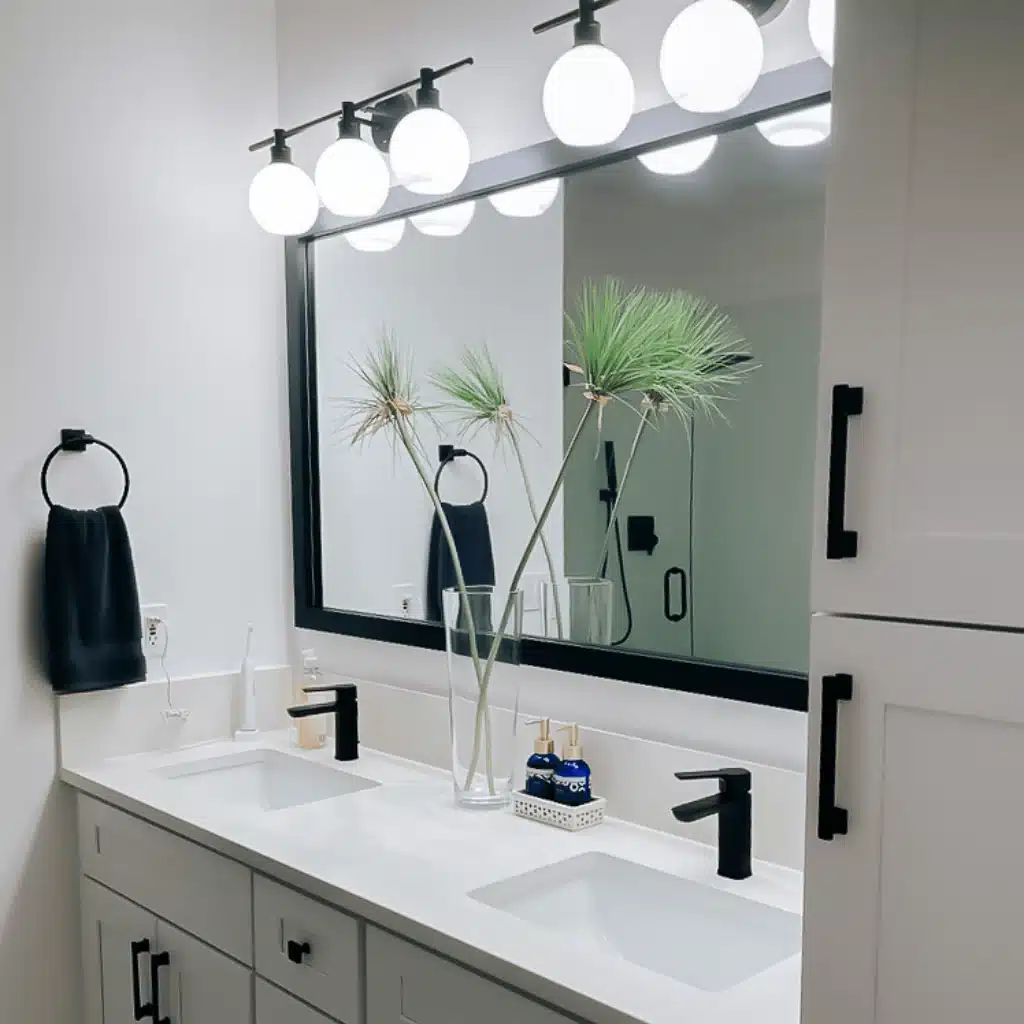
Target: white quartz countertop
402,856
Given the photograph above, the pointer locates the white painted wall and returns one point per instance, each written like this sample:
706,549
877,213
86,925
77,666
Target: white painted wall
141,302
498,284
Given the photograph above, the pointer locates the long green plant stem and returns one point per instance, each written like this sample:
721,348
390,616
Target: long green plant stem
516,578
460,579
642,426
543,537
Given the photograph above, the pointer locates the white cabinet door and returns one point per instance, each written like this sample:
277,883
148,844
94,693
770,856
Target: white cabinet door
117,940
197,984
913,915
924,310
276,1007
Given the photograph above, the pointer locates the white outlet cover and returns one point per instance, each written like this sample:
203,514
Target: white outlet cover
153,611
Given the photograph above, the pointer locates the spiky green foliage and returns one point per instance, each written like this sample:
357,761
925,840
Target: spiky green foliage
475,390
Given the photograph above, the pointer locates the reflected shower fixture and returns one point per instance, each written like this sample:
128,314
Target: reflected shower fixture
589,94
352,177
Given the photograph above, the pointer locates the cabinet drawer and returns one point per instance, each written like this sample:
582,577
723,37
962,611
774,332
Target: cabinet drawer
275,1007
202,892
408,985
328,976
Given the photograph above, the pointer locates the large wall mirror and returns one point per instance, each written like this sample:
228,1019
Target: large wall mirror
706,561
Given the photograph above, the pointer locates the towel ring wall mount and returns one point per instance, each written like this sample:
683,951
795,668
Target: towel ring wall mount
73,440
448,453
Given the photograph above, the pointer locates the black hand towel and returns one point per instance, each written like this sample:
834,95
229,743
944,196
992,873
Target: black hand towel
472,535
90,602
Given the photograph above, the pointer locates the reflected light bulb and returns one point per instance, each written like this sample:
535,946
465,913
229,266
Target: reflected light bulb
802,128
684,158
527,200
712,56
589,96
446,222
377,237
821,20
352,178
282,197
429,152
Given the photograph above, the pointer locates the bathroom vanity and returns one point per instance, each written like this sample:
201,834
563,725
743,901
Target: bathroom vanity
233,884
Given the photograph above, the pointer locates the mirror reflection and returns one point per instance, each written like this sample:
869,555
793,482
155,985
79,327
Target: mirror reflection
682,526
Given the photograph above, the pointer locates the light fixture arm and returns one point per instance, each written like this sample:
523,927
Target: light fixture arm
281,134
582,16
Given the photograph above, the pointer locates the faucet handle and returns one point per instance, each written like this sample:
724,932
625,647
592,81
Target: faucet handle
731,780
338,688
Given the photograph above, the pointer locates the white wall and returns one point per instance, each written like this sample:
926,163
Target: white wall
140,302
497,284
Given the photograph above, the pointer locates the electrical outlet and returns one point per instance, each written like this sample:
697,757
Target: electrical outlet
405,600
152,635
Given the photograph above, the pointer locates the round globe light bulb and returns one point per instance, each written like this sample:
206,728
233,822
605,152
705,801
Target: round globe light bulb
802,128
684,158
283,199
429,152
352,178
821,20
527,200
589,96
377,237
446,222
712,56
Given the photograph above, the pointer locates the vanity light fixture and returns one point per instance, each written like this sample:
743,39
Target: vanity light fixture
352,176
589,94
429,148
282,198
684,158
821,20
527,200
447,222
808,127
713,53
377,237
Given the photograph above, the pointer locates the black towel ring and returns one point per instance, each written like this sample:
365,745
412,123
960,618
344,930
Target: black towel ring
449,455
78,441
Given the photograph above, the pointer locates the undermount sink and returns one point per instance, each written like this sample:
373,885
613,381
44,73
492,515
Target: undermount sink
265,779
693,933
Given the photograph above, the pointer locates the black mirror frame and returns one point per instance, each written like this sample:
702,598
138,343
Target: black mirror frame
778,92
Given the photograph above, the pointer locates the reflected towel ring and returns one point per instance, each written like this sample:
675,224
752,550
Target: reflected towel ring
448,455
78,441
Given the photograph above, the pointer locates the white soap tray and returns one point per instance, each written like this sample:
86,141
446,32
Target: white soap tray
548,812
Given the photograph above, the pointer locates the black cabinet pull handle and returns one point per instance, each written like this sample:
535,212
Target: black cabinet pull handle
847,401
140,1009
832,820
671,574
297,950
156,961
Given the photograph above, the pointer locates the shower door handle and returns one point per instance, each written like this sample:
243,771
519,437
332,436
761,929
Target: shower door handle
670,574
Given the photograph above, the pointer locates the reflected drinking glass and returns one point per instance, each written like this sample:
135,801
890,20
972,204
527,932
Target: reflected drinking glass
578,609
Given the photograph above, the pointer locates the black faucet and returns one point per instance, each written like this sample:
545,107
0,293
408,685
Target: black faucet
732,804
345,708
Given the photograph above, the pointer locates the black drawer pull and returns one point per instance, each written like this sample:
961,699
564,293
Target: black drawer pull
832,820
156,961
140,1009
298,950
840,542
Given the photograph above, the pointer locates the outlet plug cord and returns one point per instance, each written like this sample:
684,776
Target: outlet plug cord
170,713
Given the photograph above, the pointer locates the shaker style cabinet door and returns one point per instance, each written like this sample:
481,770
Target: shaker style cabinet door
118,939
920,474
915,846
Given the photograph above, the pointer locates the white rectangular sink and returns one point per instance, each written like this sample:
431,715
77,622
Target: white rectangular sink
696,934
265,779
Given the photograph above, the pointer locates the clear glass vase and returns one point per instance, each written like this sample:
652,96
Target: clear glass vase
578,609
483,631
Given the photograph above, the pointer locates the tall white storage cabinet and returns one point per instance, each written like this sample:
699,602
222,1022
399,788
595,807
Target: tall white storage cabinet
915,848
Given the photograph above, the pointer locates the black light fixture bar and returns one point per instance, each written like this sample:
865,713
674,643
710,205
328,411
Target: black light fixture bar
425,74
585,10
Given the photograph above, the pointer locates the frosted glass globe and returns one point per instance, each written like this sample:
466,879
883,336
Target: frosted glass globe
352,178
527,200
685,158
283,199
377,237
429,152
821,20
447,222
803,128
712,56
589,96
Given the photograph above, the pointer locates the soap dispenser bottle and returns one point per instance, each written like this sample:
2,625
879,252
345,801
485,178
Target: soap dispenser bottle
543,762
572,776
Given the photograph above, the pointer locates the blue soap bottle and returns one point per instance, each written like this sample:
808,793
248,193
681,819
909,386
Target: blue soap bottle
572,776
540,768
